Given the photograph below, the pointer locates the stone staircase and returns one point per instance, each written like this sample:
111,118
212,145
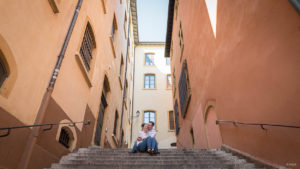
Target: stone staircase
99,158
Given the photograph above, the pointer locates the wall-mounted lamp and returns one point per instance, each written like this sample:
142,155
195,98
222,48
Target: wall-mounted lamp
137,114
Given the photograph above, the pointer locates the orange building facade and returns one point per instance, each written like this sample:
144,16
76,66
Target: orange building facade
237,60
89,85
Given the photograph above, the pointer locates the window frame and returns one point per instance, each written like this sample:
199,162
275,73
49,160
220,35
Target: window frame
4,67
155,117
153,61
167,82
88,46
184,104
149,74
169,121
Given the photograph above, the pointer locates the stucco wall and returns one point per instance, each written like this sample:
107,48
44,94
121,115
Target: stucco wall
158,99
31,37
248,70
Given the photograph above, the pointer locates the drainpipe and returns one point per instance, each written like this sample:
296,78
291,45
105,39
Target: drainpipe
124,83
26,156
132,100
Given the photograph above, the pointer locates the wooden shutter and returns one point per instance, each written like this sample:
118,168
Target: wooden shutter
171,120
176,117
184,89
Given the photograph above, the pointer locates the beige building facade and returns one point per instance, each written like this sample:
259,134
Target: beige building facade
153,93
63,62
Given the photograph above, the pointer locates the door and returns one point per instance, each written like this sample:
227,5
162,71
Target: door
99,124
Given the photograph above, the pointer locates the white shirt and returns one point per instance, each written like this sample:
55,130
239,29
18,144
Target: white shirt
151,133
143,135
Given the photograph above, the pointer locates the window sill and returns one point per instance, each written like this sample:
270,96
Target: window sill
112,46
85,73
171,130
149,89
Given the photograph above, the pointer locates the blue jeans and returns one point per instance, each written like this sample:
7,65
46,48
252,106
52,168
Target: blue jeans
134,148
142,147
152,143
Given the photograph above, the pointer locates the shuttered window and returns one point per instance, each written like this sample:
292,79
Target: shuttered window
176,117
114,28
184,89
87,46
3,70
116,123
64,138
171,120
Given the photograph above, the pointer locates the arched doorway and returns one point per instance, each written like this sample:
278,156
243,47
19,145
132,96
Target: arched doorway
213,135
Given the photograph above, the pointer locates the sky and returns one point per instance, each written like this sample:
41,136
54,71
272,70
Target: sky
152,20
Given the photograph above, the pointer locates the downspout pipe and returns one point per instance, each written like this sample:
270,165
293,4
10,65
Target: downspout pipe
124,83
64,47
26,156
131,124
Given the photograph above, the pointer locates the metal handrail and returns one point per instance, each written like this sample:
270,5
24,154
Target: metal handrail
71,124
255,124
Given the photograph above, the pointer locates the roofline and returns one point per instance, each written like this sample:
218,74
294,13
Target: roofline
150,43
169,27
133,9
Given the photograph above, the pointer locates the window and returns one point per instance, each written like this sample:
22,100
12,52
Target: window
169,82
176,117
114,28
64,137
149,116
181,44
149,59
184,89
3,69
174,83
121,66
192,135
167,61
176,8
116,123
149,81
87,46
171,121
103,5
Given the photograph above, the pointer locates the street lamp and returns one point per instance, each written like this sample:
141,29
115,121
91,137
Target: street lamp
132,116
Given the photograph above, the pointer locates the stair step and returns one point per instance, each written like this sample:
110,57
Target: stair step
99,158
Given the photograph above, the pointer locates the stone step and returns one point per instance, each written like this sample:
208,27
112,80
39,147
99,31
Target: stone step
157,157
141,166
99,158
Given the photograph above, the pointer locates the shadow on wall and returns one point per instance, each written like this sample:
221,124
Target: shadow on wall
47,149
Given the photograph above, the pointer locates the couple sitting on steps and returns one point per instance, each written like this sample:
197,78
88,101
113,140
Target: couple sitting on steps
146,140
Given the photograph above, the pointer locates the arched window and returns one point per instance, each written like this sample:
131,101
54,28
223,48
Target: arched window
66,137
3,69
87,46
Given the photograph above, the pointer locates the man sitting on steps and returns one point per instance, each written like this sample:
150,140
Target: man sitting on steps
152,143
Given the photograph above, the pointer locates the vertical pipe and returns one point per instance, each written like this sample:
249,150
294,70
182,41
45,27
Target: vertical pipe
124,83
131,124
